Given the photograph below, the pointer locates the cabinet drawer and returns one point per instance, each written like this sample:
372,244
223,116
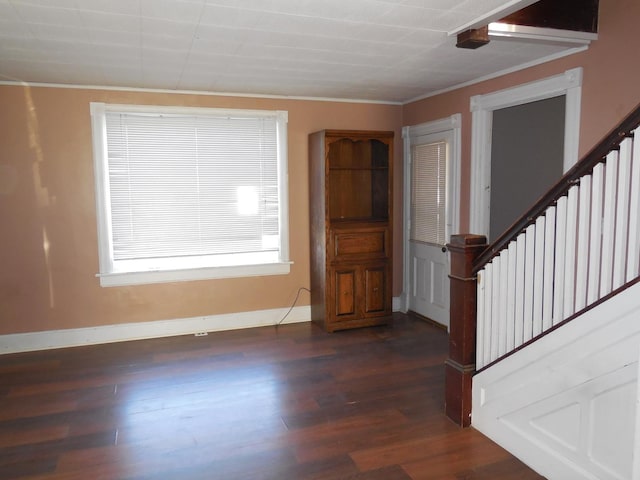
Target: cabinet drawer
356,244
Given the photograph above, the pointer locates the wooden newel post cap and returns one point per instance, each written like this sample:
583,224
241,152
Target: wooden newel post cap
464,249
462,240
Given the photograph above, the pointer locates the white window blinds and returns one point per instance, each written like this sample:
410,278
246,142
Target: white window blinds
428,192
189,188
189,185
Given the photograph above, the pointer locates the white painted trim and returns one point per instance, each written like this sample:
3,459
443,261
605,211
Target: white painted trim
568,83
501,73
74,337
452,126
540,35
481,125
26,342
502,11
455,174
99,108
119,279
195,92
572,121
529,92
398,304
101,184
406,218
282,126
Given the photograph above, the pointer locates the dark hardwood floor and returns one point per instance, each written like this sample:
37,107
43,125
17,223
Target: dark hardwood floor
285,403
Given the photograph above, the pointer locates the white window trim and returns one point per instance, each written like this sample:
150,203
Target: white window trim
108,275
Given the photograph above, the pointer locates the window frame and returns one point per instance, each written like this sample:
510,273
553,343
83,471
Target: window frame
112,273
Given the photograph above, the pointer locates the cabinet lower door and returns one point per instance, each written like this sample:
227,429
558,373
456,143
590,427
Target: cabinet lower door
375,290
361,296
345,292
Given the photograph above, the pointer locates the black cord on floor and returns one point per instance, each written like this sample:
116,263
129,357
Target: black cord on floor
293,304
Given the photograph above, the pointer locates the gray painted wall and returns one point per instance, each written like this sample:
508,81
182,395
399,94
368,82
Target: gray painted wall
527,150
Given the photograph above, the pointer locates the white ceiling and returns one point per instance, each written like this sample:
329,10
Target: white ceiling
383,50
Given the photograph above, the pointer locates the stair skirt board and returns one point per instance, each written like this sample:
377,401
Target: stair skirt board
567,405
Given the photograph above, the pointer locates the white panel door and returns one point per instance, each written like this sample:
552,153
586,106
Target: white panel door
430,293
428,259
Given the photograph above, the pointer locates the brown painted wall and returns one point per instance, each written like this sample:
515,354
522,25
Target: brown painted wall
48,246
47,206
611,75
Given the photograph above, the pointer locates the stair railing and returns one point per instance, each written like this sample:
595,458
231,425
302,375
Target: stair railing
576,245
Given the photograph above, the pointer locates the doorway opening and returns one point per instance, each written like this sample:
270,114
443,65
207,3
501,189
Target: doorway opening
527,143
566,85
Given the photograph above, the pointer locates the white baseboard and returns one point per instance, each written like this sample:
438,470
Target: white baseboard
27,342
46,340
397,304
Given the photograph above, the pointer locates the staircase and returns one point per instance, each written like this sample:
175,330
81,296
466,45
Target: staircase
551,373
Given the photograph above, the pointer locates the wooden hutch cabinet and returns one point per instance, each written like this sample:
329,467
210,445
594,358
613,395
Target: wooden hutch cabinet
350,178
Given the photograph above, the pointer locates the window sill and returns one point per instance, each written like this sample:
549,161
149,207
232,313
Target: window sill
116,279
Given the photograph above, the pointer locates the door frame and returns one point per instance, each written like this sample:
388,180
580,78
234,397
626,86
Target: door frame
451,125
568,83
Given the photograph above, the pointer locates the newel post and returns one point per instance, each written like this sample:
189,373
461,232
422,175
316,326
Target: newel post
461,364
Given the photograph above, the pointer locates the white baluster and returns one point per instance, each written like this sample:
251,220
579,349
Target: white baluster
518,322
570,252
502,302
595,240
495,308
480,319
511,295
538,276
582,257
488,322
549,257
529,270
608,222
622,213
633,246
558,282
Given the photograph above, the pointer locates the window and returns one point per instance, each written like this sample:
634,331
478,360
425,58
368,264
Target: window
189,193
428,198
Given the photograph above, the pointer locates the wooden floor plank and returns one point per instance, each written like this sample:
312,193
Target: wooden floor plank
291,402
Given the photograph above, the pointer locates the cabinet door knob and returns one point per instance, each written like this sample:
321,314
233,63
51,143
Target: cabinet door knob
444,249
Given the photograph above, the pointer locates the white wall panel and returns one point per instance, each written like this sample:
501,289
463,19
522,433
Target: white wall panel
567,404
